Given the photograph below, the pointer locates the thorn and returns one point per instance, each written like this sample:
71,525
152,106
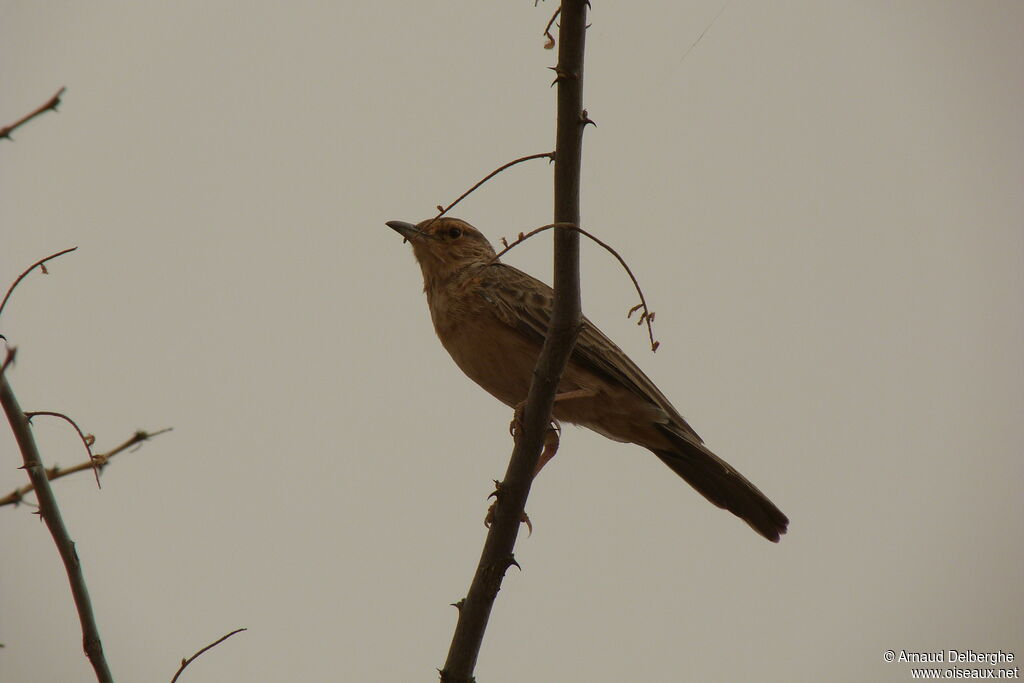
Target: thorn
561,74
496,492
458,605
585,118
512,563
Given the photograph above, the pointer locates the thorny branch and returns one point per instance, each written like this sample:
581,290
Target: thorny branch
52,103
646,316
497,556
99,460
185,662
50,513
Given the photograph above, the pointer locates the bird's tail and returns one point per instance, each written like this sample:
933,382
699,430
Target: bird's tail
717,481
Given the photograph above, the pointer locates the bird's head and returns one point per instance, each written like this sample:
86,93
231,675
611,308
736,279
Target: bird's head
445,245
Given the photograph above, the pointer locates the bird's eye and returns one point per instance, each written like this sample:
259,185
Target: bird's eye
455,233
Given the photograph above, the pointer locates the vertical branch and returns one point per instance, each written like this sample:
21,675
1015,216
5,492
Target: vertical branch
51,515
497,557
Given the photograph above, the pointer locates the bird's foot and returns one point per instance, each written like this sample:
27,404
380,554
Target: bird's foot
516,425
551,440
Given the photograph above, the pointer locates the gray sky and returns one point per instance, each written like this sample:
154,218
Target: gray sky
822,202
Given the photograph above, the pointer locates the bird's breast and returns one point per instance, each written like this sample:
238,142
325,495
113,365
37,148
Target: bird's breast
487,350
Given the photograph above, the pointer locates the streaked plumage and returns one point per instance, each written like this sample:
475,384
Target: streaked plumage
492,319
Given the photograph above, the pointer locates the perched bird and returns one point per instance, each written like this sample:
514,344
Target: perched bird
492,319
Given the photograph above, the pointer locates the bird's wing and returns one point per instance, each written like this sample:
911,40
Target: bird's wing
524,303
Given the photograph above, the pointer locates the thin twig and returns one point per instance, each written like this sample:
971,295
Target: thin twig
101,460
52,103
496,556
550,42
9,358
647,315
446,209
37,264
87,439
50,513
186,662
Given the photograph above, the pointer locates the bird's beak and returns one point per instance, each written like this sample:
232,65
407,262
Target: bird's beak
406,230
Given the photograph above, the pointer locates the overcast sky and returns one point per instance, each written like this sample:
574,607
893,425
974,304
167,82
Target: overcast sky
822,201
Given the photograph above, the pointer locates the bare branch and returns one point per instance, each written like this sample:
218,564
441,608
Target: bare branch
99,460
38,264
52,103
186,662
50,512
497,556
647,316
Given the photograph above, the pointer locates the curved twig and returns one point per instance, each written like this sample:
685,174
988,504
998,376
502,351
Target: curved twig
100,460
87,439
550,42
186,662
52,103
446,209
646,316
37,264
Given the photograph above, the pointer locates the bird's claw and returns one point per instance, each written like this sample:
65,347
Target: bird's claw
516,425
489,518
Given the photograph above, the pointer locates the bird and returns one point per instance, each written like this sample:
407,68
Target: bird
492,319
